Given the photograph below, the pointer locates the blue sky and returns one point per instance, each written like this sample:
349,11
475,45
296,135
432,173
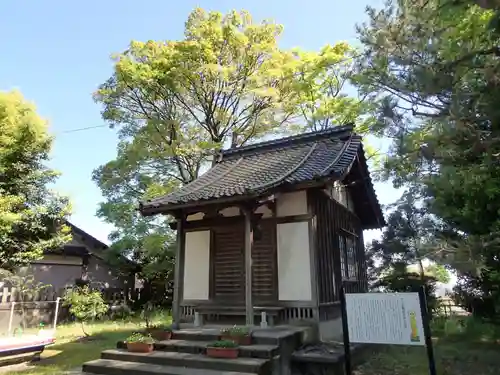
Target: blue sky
57,53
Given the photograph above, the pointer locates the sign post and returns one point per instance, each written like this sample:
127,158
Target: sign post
345,332
427,331
386,318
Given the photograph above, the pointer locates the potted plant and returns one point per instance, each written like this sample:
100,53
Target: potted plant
160,332
139,343
240,335
223,349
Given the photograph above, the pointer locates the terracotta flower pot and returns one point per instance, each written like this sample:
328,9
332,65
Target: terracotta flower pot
139,347
231,353
161,335
239,339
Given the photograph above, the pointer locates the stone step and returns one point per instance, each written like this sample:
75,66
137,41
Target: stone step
197,334
269,336
196,361
275,337
111,367
199,347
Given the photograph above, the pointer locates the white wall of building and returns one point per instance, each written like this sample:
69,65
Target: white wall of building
196,216
341,194
291,204
294,271
197,265
287,204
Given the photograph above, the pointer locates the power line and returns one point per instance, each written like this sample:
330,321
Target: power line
81,129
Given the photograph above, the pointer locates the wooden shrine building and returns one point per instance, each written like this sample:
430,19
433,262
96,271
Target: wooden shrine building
275,226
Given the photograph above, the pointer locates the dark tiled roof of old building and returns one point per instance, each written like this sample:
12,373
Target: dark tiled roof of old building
256,169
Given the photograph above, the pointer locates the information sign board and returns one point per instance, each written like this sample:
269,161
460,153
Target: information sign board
385,318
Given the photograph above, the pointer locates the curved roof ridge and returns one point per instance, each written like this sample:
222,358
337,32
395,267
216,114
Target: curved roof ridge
287,173
209,181
299,138
339,155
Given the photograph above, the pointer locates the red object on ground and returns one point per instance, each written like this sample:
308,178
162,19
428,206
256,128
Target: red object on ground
139,347
231,353
159,334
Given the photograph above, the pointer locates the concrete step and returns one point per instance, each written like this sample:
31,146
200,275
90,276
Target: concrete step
268,336
111,367
195,361
197,334
199,347
276,337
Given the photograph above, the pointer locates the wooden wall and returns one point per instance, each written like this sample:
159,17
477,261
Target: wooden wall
339,253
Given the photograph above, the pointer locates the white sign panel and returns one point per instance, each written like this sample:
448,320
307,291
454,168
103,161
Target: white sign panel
385,318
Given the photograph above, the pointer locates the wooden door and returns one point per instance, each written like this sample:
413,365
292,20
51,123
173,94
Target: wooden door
264,269
229,264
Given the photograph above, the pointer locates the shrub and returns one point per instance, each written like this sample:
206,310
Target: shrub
236,331
85,304
466,328
224,344
411,282
162,327
479,295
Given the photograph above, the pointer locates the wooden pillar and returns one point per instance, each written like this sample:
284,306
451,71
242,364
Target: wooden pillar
313,253
178,274
361,260
248,267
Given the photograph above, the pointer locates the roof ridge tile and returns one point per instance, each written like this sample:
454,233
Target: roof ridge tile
285,141
288,172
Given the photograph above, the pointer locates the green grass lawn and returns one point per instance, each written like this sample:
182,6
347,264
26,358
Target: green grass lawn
461,347
71,351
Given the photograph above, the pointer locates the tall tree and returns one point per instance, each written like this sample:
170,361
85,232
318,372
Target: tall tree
405,241
32,217
397,261
177,103
320,98
434,65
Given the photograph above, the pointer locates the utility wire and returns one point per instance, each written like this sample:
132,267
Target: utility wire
81,129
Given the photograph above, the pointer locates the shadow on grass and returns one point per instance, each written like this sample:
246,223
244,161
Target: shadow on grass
72,354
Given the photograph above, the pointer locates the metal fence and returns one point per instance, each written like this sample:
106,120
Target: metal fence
110,295
18,318
448,308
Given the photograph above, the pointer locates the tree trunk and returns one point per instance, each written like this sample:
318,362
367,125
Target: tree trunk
421,269
83,329
234,140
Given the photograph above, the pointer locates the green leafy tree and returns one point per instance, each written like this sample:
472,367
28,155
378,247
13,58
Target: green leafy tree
176,103
439,272
405,242
85,304
434,67
31,216
319,80
396,261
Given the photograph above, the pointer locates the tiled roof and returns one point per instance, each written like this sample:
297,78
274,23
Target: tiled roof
255,169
